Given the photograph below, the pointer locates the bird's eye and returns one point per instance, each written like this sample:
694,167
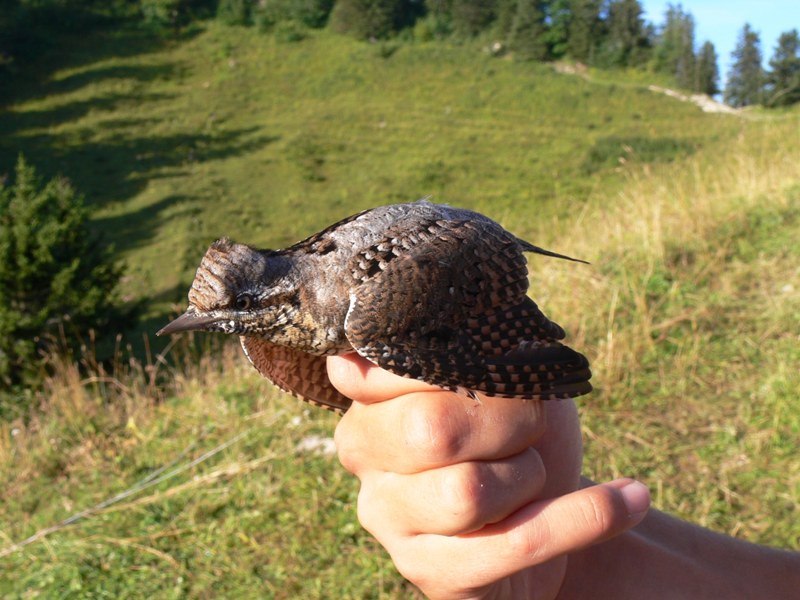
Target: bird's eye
244,301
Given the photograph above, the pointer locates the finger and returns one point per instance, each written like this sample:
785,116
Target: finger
561,448
365,382
426,430
534,535
452,500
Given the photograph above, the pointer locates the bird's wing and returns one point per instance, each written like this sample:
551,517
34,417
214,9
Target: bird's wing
508,353
452,311
299,373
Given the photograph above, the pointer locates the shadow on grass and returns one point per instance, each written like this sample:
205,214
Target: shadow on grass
112,169
119,167
615,151
28,79
19,126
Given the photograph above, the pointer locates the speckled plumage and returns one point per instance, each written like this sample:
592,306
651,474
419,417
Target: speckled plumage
423,290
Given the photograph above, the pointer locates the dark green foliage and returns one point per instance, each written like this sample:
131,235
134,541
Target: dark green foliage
504,13
628,41
174,15
706,71
53,272
166,14
309,13
558,16
439,8
368,19
235,12
436,23
746,78
9,29
28,27
470,17
783,79
674,51
528,37
586,30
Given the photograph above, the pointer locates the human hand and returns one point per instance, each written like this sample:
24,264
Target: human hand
473,499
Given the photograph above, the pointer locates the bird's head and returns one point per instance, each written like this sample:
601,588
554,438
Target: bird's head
237,289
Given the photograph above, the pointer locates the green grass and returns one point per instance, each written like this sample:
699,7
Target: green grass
260,518
235,133
689,311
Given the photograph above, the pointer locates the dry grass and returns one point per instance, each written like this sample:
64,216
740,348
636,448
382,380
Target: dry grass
690,313
197,486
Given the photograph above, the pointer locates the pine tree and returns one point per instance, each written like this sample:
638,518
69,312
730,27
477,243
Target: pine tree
528,34
53,271
783,78
674,51
627,43
706,71
505,11
558,16
470,17
367,19
174,14
586,30
746,78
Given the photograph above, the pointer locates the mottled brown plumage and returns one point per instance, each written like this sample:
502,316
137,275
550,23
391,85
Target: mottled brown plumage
423,290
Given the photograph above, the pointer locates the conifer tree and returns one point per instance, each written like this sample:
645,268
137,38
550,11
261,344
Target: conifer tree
746,78
558,15
505,11
585,31
470,17
53,271
368,19
783,78
627,43
706,71
528,33
674,51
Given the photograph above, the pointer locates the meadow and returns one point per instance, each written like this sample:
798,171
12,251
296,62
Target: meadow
689,311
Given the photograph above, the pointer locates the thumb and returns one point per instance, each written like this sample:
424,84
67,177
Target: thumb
544,530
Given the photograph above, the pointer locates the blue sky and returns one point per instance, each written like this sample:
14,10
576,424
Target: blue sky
721,21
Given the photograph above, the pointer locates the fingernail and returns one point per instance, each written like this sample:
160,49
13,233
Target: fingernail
636,497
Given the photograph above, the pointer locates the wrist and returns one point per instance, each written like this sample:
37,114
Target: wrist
664,557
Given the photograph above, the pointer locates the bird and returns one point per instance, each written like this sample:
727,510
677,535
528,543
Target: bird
424,290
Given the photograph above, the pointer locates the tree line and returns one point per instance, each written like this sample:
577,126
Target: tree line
599,33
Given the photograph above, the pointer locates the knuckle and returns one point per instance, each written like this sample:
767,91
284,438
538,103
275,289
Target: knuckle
431,433
464,494
422,573
347,447
368,514
602,509
532,542
596,511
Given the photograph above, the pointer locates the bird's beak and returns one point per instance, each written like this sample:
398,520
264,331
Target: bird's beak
188,321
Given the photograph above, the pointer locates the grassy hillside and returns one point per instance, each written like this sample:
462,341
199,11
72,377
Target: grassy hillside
690,310
240,134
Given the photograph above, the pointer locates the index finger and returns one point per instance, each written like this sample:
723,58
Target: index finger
357,378
407,426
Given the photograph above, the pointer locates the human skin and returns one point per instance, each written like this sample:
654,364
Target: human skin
483,499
